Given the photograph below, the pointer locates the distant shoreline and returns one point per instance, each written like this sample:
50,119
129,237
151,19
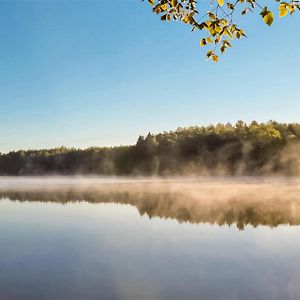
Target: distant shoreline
255,149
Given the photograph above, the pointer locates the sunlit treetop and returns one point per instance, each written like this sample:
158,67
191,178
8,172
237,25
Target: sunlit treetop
218,22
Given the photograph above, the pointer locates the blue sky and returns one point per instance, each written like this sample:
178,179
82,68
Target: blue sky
83,73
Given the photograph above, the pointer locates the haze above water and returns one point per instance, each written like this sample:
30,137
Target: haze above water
102,238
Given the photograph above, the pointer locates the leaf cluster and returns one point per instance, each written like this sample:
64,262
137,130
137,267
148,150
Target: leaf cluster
217,24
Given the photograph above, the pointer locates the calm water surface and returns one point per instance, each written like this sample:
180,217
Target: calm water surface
77,239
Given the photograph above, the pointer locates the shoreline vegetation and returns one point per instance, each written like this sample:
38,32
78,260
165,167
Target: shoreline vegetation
241,149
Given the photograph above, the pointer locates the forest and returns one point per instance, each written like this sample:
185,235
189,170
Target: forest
240,149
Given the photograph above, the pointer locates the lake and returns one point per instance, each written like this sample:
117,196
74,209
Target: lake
107,238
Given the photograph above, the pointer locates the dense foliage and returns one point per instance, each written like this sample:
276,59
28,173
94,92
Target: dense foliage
217,18
240,149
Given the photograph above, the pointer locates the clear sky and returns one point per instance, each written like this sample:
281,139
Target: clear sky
83,73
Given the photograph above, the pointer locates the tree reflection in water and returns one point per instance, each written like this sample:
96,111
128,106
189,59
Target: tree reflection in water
224,202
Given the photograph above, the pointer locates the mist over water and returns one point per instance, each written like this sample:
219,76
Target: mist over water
149,238
216,200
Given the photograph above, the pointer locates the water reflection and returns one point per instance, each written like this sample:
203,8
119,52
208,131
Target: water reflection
269,202
57,241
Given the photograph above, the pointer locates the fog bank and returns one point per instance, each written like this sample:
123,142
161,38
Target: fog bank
216,200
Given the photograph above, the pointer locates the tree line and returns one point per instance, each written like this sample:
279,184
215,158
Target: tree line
221,149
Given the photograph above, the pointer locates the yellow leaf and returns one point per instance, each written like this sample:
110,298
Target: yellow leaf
221,2
282,10
164,7
202,42
215,58
269,18
212,15
185,19
174,3
209,54
291,8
